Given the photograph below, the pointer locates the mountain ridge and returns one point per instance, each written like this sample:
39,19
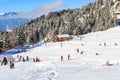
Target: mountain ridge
8,13
12,22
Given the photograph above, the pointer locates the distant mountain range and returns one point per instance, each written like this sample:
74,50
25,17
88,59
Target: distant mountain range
11,20
8,14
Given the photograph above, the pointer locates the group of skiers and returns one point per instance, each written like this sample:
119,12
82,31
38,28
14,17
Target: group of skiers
78,51
37,59
68,57
107,62
21,58
105,44
5,61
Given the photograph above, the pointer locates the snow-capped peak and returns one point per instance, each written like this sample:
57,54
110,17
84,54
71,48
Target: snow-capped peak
1,13
8,14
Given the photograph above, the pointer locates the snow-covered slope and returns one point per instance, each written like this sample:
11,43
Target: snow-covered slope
86,66
110,36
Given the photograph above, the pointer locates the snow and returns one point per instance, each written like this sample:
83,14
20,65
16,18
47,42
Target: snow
81,19
64,35
86,66
114,0
7,29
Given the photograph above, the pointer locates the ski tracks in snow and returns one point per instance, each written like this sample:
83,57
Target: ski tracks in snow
50,71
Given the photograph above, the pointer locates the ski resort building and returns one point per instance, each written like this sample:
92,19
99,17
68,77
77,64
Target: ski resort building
59,38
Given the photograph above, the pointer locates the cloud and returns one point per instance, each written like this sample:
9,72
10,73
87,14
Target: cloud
37,12
42,10
53,5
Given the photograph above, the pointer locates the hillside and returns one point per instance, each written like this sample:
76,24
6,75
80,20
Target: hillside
90,18
86,66
93,17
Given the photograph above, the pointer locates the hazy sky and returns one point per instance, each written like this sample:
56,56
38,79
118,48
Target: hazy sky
39,6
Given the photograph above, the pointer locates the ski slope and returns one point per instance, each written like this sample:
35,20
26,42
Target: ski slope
86,66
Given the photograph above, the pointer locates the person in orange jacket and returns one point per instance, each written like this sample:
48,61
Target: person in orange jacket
107,63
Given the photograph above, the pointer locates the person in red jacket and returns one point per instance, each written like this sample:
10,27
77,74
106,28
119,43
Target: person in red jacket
81,52
37,59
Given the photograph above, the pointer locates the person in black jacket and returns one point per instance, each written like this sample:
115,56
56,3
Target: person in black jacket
11,65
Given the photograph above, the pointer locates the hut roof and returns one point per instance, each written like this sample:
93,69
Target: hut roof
64,35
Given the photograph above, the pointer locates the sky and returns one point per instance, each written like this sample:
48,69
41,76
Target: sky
28,6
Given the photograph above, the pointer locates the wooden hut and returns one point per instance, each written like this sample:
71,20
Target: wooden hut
60,38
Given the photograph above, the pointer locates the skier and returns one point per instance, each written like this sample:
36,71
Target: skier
20,58
107,63
61,58
96,54
68,56
17,56
34,60
115,44
11,65
77,50
37,59
61,45
100,44
81,52
27,58
104,43
23,59
45,42
5,61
